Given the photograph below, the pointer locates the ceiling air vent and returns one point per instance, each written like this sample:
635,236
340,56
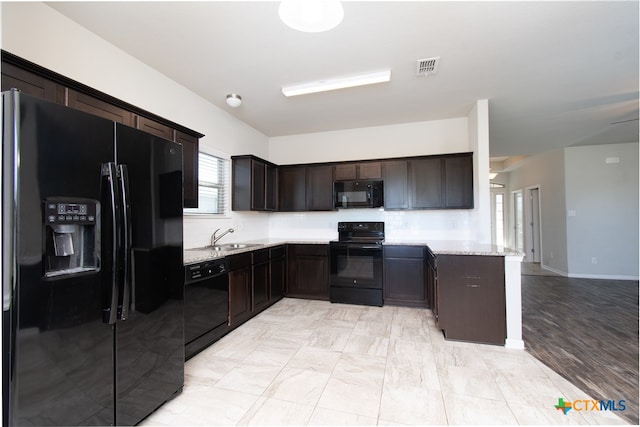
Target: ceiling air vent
427,66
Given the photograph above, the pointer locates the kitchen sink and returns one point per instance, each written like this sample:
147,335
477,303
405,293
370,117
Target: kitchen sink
226,247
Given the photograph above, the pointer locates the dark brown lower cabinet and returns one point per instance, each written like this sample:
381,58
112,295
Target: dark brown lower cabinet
404,276
308,271
277,271
261,280
240,278
471,298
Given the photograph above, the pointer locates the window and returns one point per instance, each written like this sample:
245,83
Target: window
212,185
499,219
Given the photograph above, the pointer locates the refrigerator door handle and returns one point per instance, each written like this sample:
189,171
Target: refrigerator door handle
124,187
10,138
109,171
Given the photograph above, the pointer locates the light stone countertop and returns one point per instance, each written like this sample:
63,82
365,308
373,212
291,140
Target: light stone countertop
439,247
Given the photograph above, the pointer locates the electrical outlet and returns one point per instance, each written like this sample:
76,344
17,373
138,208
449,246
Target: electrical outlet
594,260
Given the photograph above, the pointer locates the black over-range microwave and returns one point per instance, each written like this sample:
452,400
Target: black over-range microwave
358,194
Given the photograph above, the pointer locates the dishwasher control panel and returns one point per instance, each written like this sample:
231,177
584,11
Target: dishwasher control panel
206,269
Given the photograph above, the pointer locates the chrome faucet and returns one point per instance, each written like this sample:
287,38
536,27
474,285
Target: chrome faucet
215,239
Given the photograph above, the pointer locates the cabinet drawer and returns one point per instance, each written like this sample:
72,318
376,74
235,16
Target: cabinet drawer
239,261
404,251
261,255
278,252
310,250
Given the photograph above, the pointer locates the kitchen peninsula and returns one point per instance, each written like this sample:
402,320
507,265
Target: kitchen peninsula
454,253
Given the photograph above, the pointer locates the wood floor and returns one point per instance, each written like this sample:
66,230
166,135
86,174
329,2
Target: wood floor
587,331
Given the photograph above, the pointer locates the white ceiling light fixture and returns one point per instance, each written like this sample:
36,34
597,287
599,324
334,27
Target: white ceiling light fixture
311,16
337,83
234,100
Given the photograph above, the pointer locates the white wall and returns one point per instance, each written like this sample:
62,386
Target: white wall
602,198
410,139
40,34
547,172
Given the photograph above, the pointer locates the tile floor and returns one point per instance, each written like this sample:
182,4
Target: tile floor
304,362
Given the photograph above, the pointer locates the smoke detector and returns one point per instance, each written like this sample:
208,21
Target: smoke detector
427,66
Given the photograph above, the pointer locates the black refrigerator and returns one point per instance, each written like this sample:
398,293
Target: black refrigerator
92,272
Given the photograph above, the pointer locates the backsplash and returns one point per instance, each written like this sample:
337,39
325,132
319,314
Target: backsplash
399,225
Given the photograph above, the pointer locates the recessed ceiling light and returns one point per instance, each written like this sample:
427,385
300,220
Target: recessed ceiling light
311,16
337,83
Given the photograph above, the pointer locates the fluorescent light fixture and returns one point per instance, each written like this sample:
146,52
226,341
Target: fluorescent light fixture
338,83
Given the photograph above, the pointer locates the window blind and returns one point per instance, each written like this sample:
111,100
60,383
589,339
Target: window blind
212,185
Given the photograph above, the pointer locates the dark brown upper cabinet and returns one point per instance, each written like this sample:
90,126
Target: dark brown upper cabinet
33,84
306,188
459,182
320,188
254,183
430,182
352,171
426,183
97,107
37,81
396,184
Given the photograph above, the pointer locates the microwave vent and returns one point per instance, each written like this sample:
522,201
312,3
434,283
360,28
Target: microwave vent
427,66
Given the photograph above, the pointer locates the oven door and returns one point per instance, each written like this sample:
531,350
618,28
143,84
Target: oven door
355,265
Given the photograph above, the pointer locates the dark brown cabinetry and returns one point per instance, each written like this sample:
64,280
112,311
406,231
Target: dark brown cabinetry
431,182
426,189
320,188
350,171
292,183
431,272
306,188
254,183
261,280
97,107
458,182
308,271
396,184
40,82
278,271
404,276
33,84
240,277
471,298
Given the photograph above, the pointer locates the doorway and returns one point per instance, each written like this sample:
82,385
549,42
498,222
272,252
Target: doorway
518,229
532,240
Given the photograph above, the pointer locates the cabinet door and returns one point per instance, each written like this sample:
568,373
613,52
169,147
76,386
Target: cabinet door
404,276
345,171
426,183
320,188
396,184
459,181
258,189
239,296
31,84
271,196
98,107
154,128
278,274
260,286
471,298
292,188
308,271
190,150
371,170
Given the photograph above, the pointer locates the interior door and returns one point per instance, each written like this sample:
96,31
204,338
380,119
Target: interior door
150,342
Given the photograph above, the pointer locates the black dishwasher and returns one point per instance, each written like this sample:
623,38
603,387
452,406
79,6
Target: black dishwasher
206,304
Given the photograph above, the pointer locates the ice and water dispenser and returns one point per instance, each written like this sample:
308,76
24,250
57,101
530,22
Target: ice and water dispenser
72,236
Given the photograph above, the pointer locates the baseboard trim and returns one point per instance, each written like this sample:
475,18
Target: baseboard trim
514,344
590,276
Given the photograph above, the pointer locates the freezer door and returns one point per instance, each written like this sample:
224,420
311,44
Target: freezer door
60,362
150,339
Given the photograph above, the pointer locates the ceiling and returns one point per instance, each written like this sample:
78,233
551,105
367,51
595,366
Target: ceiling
556,74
